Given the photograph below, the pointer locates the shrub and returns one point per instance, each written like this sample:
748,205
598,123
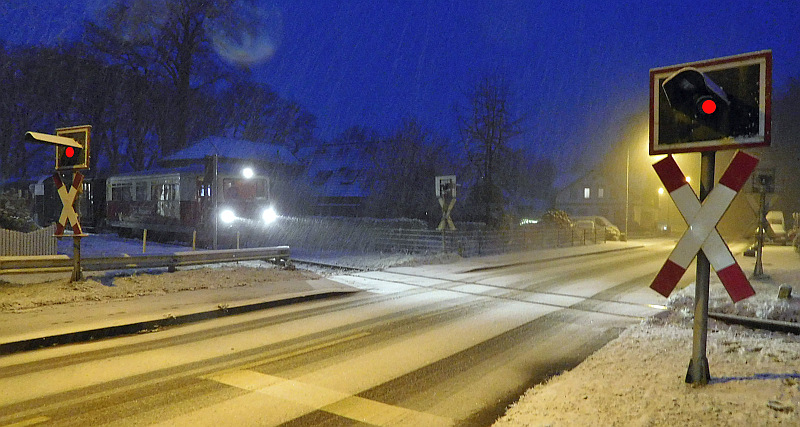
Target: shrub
557,217
14,213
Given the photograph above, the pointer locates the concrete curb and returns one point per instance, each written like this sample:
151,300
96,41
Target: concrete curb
154,325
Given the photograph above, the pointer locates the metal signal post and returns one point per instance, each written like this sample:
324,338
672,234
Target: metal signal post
72,154
698,372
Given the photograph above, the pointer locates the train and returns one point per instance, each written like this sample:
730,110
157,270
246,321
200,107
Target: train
176,202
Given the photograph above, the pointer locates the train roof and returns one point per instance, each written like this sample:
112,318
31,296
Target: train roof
232,148
193,169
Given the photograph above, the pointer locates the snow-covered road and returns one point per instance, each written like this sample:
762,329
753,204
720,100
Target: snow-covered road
424,345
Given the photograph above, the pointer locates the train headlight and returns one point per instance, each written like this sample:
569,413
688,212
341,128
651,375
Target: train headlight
227,216
269,215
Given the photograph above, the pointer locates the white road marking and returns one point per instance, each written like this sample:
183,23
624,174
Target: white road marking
30,422
324,399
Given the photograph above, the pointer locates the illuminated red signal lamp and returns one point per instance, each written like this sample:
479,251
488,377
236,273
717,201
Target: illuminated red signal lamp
708,106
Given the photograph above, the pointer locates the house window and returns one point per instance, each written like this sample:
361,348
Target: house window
587,192
600,193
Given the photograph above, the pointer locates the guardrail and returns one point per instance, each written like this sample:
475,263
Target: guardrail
62,263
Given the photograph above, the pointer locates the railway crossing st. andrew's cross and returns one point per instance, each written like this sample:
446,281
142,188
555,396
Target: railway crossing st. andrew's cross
702,220
705,106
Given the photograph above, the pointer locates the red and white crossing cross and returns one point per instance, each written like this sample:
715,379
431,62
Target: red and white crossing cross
702,220
68,200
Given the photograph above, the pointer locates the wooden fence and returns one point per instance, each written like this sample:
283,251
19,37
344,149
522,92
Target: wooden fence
39,242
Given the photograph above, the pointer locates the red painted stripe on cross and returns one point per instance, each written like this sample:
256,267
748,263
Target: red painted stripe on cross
57,181
670,174
702,220
77,181
667,278
738,171
736,282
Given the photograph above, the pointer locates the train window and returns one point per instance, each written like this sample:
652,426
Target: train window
242,189
142,190
122,192
203,190
87,192
164,192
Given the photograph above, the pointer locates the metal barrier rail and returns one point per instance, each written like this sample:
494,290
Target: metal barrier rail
60,263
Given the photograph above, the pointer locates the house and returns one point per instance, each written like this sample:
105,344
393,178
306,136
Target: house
338,175
630,201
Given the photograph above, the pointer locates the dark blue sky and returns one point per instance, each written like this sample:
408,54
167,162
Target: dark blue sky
576,68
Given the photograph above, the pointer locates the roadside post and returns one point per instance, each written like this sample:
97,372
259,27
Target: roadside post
446,193
72,154
763,183
706,106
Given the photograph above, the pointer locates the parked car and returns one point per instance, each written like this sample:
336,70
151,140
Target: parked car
599,223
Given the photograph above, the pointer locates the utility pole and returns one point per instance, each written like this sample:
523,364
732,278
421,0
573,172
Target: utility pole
215,196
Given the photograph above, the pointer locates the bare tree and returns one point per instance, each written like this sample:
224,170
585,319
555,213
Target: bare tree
167,40
487,126
254,111
405,165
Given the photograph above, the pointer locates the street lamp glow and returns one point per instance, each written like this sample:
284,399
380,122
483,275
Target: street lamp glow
247,173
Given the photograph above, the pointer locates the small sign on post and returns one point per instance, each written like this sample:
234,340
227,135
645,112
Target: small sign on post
446,193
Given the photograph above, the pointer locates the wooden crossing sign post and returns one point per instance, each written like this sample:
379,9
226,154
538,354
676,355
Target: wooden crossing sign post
717,104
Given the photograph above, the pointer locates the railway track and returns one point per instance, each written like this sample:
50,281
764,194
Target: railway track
326,267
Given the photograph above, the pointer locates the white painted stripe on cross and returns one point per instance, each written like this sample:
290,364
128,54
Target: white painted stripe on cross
702,232
703,220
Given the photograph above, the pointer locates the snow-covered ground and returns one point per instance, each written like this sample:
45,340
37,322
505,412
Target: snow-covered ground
639,379
108,244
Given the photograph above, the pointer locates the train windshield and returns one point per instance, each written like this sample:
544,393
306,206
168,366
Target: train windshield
244,189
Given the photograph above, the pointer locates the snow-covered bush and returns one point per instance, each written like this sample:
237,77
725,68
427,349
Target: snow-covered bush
14,213
557,217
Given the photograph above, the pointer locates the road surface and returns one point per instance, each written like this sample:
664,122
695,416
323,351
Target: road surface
433,345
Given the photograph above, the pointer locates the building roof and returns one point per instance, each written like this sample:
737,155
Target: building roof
339,171
233,148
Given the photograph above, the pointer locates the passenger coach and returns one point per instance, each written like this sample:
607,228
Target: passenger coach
182,200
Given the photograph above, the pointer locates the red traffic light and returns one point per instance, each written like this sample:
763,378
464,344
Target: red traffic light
708,106
69,152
